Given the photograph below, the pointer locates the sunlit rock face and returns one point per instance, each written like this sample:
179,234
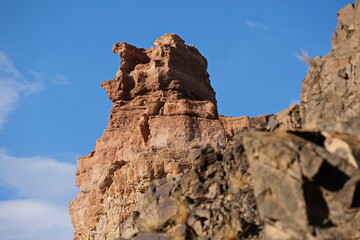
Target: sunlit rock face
330,92
292,175
164,109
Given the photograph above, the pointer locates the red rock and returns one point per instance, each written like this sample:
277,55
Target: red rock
164,109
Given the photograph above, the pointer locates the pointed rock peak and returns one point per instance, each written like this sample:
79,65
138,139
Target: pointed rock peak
169,39
346,15
130,56
329,91
172,70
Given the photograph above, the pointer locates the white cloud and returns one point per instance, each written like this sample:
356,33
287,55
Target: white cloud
13,86
36,75
38,177
60,79
43,187
258,25
33,220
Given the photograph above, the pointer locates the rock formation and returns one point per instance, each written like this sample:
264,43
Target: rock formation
330,92
169,167
164,109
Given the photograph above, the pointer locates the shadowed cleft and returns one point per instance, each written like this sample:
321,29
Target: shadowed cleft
330,177
314,137
317,210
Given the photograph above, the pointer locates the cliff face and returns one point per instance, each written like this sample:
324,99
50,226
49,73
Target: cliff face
330,91
164,109
293,175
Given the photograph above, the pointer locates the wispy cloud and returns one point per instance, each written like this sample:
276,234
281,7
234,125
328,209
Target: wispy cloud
13,86
42,62
256,25
43,187
33,220
37,177
60,79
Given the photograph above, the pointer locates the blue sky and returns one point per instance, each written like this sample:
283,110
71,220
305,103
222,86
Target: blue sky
54,54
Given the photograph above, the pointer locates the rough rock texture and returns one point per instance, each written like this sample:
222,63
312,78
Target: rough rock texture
214,200
164,108
285,119
303,190
330,92
292,175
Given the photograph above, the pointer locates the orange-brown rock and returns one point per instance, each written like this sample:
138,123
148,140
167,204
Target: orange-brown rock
164,109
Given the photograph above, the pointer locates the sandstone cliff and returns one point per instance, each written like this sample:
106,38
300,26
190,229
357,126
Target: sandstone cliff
164,109
293,175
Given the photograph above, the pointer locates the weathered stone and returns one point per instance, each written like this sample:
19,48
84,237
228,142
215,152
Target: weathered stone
302,190
234,125
164,109
211,201
288,118
298,178
330,92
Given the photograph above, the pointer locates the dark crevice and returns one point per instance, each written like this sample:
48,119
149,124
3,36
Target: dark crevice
314,137
317,210
356,199
330,177
212,175
249,230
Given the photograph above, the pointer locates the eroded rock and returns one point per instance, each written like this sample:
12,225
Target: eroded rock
214,200
330,92
301,188
164,109
290,175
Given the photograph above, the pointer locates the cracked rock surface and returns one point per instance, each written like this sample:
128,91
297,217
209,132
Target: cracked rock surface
214,200
164,109
169,167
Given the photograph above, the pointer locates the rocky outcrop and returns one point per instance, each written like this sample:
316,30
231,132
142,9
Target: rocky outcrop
164,109
279,185
330,91
306,182
304,190
214,200
292,175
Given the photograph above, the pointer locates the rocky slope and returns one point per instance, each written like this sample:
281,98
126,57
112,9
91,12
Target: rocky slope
293,175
